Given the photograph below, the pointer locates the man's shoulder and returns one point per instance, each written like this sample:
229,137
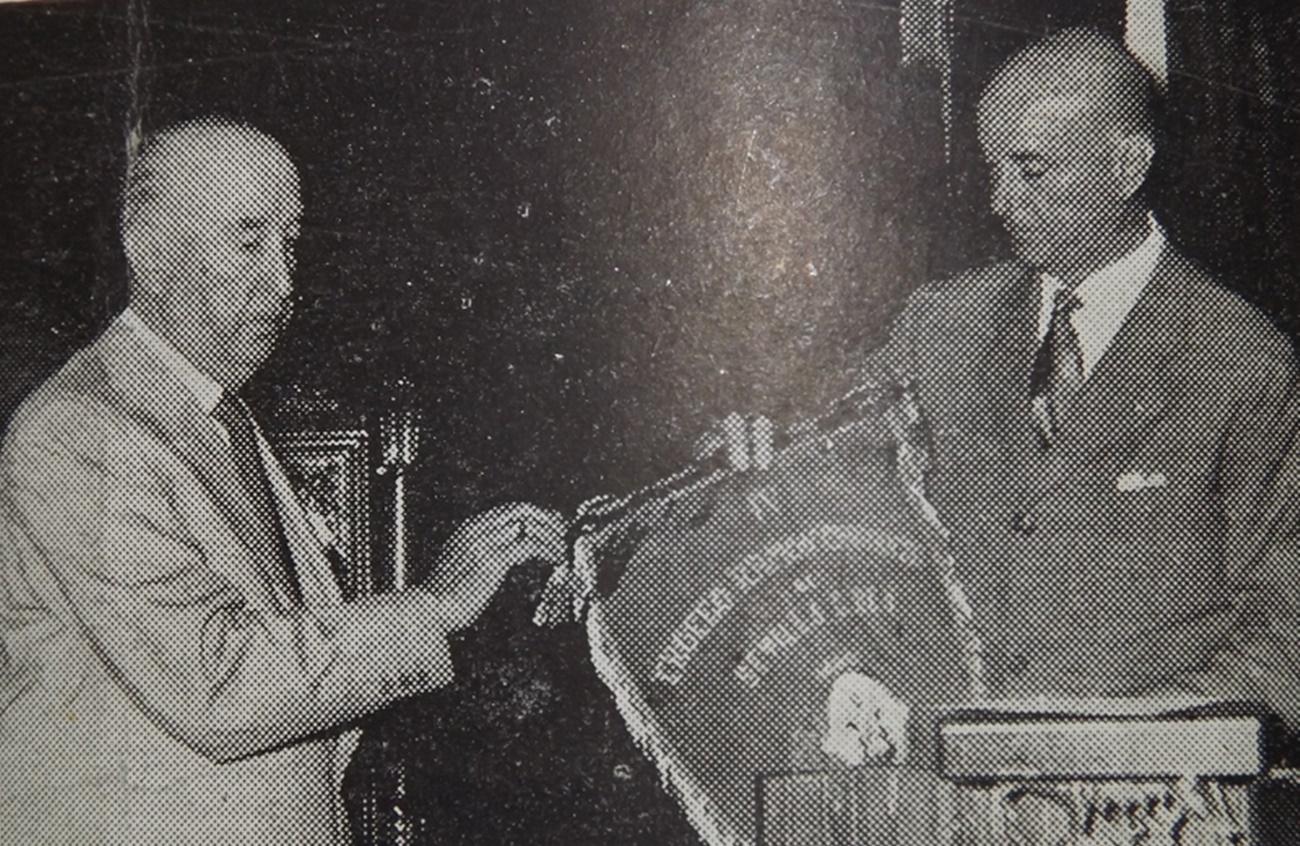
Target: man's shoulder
963,298
1220,322
979,282
72,405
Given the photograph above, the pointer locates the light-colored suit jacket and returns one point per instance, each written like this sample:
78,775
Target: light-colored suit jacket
1154,546
157,685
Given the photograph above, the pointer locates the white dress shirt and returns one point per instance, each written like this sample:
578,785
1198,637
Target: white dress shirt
1107,296
204,388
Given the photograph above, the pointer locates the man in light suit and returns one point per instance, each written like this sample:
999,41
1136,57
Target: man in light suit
1111,429
176,665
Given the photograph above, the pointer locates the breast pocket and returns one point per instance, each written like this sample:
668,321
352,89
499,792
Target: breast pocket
1169,510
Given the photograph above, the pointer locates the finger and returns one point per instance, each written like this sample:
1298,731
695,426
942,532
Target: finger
546,518
761,434
540,549
737,434
1189,791
545,537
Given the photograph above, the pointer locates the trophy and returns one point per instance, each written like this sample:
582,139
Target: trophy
760,622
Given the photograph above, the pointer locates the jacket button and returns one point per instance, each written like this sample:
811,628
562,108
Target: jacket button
1023,522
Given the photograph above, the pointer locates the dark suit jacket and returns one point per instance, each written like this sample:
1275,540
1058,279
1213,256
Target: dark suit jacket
1154,545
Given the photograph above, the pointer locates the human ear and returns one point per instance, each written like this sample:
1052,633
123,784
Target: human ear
1133,155
146,257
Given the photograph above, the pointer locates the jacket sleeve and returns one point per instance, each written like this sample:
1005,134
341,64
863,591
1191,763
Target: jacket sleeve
100,539
1259,481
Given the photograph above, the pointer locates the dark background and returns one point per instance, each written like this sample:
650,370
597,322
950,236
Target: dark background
582,230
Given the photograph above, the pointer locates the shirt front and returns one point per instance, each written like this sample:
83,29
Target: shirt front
1106,296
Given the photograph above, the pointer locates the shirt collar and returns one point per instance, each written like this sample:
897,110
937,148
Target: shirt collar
1132,269
1106,296
207,392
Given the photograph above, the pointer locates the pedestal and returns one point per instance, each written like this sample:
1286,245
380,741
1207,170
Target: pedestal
1037,780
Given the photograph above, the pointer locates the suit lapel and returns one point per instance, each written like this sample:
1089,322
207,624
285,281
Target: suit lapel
305,547
170,409
1005,369
1129,387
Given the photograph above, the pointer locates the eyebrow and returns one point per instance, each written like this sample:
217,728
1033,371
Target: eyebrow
256,224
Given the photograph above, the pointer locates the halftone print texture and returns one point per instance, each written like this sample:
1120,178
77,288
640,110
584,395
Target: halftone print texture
179,664
1033,581
1071,565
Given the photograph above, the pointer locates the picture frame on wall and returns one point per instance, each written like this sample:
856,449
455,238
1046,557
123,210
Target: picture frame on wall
330,472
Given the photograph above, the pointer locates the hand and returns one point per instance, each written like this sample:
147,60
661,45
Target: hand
865,722
748,442
479,553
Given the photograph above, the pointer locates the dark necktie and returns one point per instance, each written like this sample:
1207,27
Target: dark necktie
1058,368
233,414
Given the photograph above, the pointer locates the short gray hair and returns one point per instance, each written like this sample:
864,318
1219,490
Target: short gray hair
147,173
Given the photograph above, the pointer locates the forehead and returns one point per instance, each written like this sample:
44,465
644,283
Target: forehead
218,180
1018,121
263,189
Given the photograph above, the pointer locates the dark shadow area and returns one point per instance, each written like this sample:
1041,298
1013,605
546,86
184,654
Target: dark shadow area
582,230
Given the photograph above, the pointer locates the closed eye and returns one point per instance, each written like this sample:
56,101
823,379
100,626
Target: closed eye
1031,166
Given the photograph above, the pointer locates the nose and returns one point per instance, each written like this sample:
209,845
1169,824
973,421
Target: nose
279,273
1000,191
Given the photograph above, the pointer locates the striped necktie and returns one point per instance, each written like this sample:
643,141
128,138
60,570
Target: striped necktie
1057,372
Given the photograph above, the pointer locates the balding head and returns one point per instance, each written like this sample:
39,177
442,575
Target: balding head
209,216
1083,66
1067,126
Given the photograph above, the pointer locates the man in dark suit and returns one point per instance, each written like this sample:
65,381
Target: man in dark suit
1111,428
176,664
1109,422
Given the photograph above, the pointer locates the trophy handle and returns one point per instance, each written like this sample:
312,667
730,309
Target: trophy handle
399,445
